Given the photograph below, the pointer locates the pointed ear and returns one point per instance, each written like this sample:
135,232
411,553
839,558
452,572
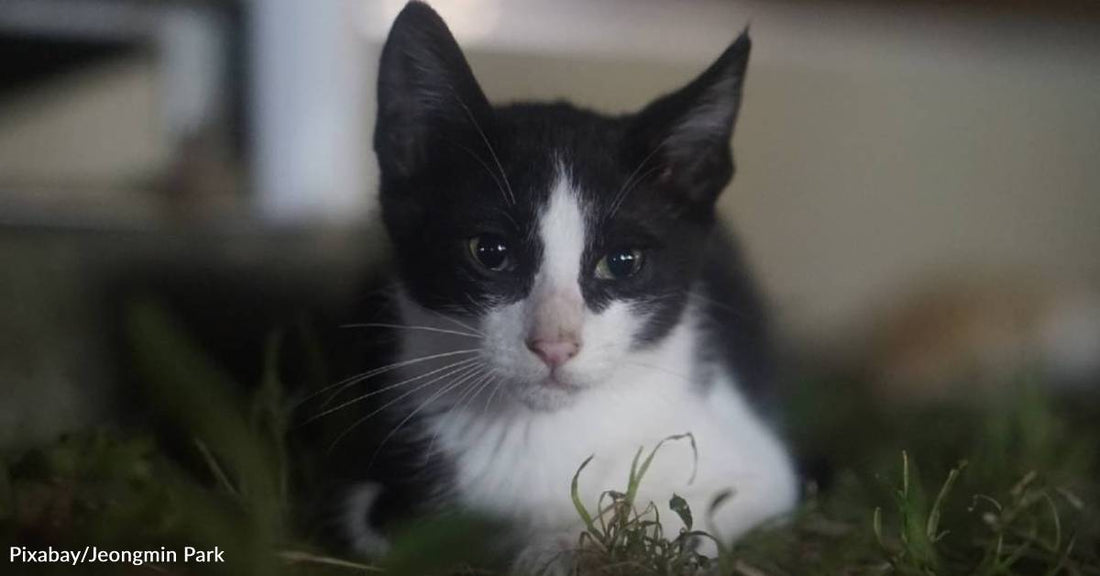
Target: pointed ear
684,137
427,93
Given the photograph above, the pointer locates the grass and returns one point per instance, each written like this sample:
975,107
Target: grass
1007,487
621,538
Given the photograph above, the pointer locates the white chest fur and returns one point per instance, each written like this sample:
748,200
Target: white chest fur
518,464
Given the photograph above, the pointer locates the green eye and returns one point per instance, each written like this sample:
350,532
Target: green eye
619,264
490,251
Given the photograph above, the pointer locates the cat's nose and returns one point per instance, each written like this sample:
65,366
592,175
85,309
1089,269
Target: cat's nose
554,353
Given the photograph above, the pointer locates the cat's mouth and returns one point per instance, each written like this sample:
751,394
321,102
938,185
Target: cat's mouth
557,381
550,393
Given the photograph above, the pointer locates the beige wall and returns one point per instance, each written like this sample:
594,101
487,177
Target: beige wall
878,151
876,148
95,129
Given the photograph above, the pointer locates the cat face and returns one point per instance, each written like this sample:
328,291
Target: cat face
568,239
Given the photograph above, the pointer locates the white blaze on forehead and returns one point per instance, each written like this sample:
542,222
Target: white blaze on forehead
556,307
562,231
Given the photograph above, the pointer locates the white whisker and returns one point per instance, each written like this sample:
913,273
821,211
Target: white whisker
458,322
496,388
511,195
660,369
352,380
489,171
725,307
628,186
410,327
452,367
465,377
480,384
465,370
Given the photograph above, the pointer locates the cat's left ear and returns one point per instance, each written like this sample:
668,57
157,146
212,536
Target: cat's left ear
683,138
428,97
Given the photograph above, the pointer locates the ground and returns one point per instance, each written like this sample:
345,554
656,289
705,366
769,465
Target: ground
1006,485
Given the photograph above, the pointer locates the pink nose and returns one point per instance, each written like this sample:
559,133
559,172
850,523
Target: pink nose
554,352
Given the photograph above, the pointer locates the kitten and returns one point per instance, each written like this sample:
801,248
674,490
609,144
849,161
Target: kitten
562,274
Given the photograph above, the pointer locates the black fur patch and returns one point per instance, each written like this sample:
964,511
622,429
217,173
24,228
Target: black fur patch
454,167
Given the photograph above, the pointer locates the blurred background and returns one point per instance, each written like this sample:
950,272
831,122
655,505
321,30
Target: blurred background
918,182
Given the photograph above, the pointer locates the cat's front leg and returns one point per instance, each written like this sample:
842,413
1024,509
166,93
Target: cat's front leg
729,512
365,539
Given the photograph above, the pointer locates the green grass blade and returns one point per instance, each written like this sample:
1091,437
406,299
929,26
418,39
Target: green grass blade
574,492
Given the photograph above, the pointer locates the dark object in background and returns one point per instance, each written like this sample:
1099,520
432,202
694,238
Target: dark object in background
30,60
184,59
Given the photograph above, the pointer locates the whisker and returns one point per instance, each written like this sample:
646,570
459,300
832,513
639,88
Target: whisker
479,385
488,378
352,380
451,368
464,370
511,195
626,192
477,305
465,377
659,369
394,287
489,400
509,217
622,193
410,327
725,307
659,297
457,322
484,378
693,293
496,180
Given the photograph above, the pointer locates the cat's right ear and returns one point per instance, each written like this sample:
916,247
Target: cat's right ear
685,136
427,94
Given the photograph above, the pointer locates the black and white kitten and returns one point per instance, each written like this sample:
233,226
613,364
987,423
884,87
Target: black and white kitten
564,268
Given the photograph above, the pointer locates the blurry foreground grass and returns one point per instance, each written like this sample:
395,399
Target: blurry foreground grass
1008,487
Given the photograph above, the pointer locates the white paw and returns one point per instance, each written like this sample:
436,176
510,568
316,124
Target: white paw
365,539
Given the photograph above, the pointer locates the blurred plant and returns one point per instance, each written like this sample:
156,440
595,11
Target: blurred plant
1020,533
1030,480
